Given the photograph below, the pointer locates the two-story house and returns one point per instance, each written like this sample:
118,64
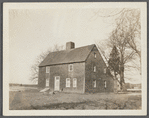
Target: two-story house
75,70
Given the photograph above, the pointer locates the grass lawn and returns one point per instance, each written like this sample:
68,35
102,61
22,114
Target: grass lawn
34,100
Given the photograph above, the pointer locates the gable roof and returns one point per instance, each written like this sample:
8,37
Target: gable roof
67,56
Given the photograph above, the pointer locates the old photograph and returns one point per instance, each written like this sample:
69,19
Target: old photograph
88,58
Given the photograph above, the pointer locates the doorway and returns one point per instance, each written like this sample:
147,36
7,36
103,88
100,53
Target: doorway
57,83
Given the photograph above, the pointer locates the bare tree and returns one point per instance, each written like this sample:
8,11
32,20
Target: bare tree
40,58
133,29
126,36
134,33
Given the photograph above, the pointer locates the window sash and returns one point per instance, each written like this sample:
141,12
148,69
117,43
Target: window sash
74,82
105,84
94,68
47,82
47,69
70,67
94,83
67,82
95,55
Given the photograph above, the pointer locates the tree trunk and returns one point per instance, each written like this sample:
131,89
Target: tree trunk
121,77
115,83
122,81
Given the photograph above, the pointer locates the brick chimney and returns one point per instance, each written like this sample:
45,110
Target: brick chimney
70,45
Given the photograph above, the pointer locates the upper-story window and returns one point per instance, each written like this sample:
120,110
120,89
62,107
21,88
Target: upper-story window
105,70
47,69
95,55
70,67
94,68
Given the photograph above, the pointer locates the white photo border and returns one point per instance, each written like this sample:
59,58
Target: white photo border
82,5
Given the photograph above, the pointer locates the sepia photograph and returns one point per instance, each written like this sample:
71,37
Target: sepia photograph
88,58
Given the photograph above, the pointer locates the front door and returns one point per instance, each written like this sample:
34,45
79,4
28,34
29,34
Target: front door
57,83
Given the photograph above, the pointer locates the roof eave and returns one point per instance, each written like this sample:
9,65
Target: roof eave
61,63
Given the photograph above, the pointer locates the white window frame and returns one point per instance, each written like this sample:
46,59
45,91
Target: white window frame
94,83
95,55
105,84
47,69
74,82
47,82
105,70
70,66
67,80
94,68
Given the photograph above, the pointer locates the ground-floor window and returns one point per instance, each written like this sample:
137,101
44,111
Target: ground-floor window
94,83
47,82
67,82
74,82
105,84
94,68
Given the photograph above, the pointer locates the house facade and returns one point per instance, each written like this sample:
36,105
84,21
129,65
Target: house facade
77,70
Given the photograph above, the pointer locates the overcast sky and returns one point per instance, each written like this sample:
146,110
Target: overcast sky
32,31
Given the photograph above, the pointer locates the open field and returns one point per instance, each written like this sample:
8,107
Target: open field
32,99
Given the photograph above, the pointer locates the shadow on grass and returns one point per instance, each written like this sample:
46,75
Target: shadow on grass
107,104
64,105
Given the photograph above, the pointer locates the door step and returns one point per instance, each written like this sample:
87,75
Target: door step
45,89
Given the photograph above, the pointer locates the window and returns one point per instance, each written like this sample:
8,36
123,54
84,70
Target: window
105,84
47,69
95,55
104,70
67,82
94,68
47,82
70,67
74,82
94,83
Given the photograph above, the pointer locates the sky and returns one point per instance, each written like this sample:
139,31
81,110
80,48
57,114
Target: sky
33,31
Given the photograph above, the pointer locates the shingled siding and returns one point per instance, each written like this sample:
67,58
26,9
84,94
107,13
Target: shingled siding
99,75
62,71
42,77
